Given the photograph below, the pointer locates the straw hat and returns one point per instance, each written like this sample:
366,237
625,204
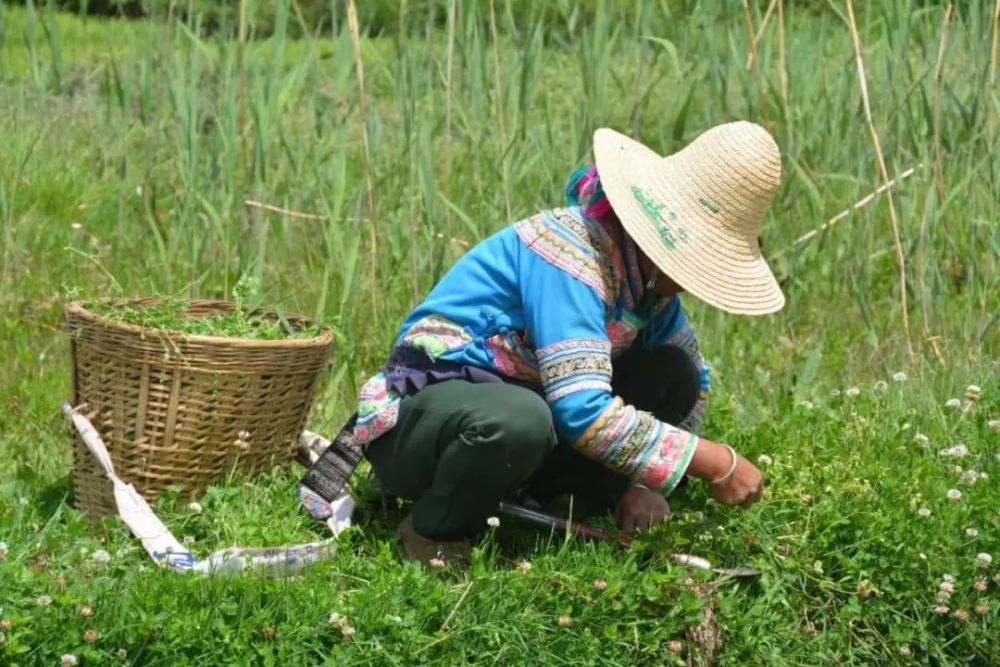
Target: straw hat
697,213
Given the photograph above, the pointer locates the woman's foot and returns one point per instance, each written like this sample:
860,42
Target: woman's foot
432,553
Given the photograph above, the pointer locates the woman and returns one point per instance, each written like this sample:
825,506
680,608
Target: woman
555,357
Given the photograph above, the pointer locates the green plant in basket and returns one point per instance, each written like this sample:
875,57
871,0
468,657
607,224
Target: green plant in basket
246,320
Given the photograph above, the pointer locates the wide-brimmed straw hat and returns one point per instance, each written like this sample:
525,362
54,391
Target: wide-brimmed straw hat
697,213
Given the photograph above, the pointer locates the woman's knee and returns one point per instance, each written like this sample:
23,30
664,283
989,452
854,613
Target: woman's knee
515,421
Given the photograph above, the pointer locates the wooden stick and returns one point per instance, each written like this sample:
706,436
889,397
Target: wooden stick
755,62
884,174
991,88
858,204
251,203
500,110
359,68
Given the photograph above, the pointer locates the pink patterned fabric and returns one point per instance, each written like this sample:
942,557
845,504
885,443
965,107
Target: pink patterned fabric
513,356
638,445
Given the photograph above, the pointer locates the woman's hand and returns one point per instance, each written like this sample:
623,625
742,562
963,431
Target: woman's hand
640,508
713,461
743,488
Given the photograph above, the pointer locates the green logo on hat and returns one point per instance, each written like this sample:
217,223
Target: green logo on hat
650,206
652,209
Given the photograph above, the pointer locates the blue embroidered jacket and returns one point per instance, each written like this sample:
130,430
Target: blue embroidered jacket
550,301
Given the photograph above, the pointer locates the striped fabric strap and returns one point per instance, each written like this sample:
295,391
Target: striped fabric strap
575,365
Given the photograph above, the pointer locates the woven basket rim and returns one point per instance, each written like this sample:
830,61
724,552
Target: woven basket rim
79,308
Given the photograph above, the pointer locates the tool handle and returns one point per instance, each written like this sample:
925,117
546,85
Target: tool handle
564,526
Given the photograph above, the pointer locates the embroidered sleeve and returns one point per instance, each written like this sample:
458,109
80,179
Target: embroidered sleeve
673,328
565,318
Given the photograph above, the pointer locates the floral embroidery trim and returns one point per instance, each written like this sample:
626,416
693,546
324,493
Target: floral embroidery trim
436,335
638,445
578,246
378,409
513,357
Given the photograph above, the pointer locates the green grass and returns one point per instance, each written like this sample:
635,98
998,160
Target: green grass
129,149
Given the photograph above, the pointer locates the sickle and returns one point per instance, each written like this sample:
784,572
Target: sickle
622,539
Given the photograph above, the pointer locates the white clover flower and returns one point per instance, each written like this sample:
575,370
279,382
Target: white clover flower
959,451
3,551
973,392
941,609
852,392
947,587
122,653
954,495
899,376
970,477
984,559
921,439
953,404
100,557
881,386
972,532
43,600
806,404
948,577
68,660
834,393
924,512
994,425
764,460
981,585
493,522
188,540
524,567
195,507
347,632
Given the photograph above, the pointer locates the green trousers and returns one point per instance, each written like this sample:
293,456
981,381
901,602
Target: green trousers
459,448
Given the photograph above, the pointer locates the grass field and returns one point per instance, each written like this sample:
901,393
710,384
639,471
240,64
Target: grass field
128,150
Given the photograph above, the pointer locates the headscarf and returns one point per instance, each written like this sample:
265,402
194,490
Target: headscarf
584,190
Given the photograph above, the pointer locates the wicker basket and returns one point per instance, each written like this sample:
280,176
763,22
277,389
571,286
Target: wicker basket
177,409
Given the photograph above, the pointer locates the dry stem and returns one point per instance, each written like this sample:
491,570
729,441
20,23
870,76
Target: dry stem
359,67
250,203
762,28
942,45
991,88
884,174
452,16
500,109
858,204
755,61
783,66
